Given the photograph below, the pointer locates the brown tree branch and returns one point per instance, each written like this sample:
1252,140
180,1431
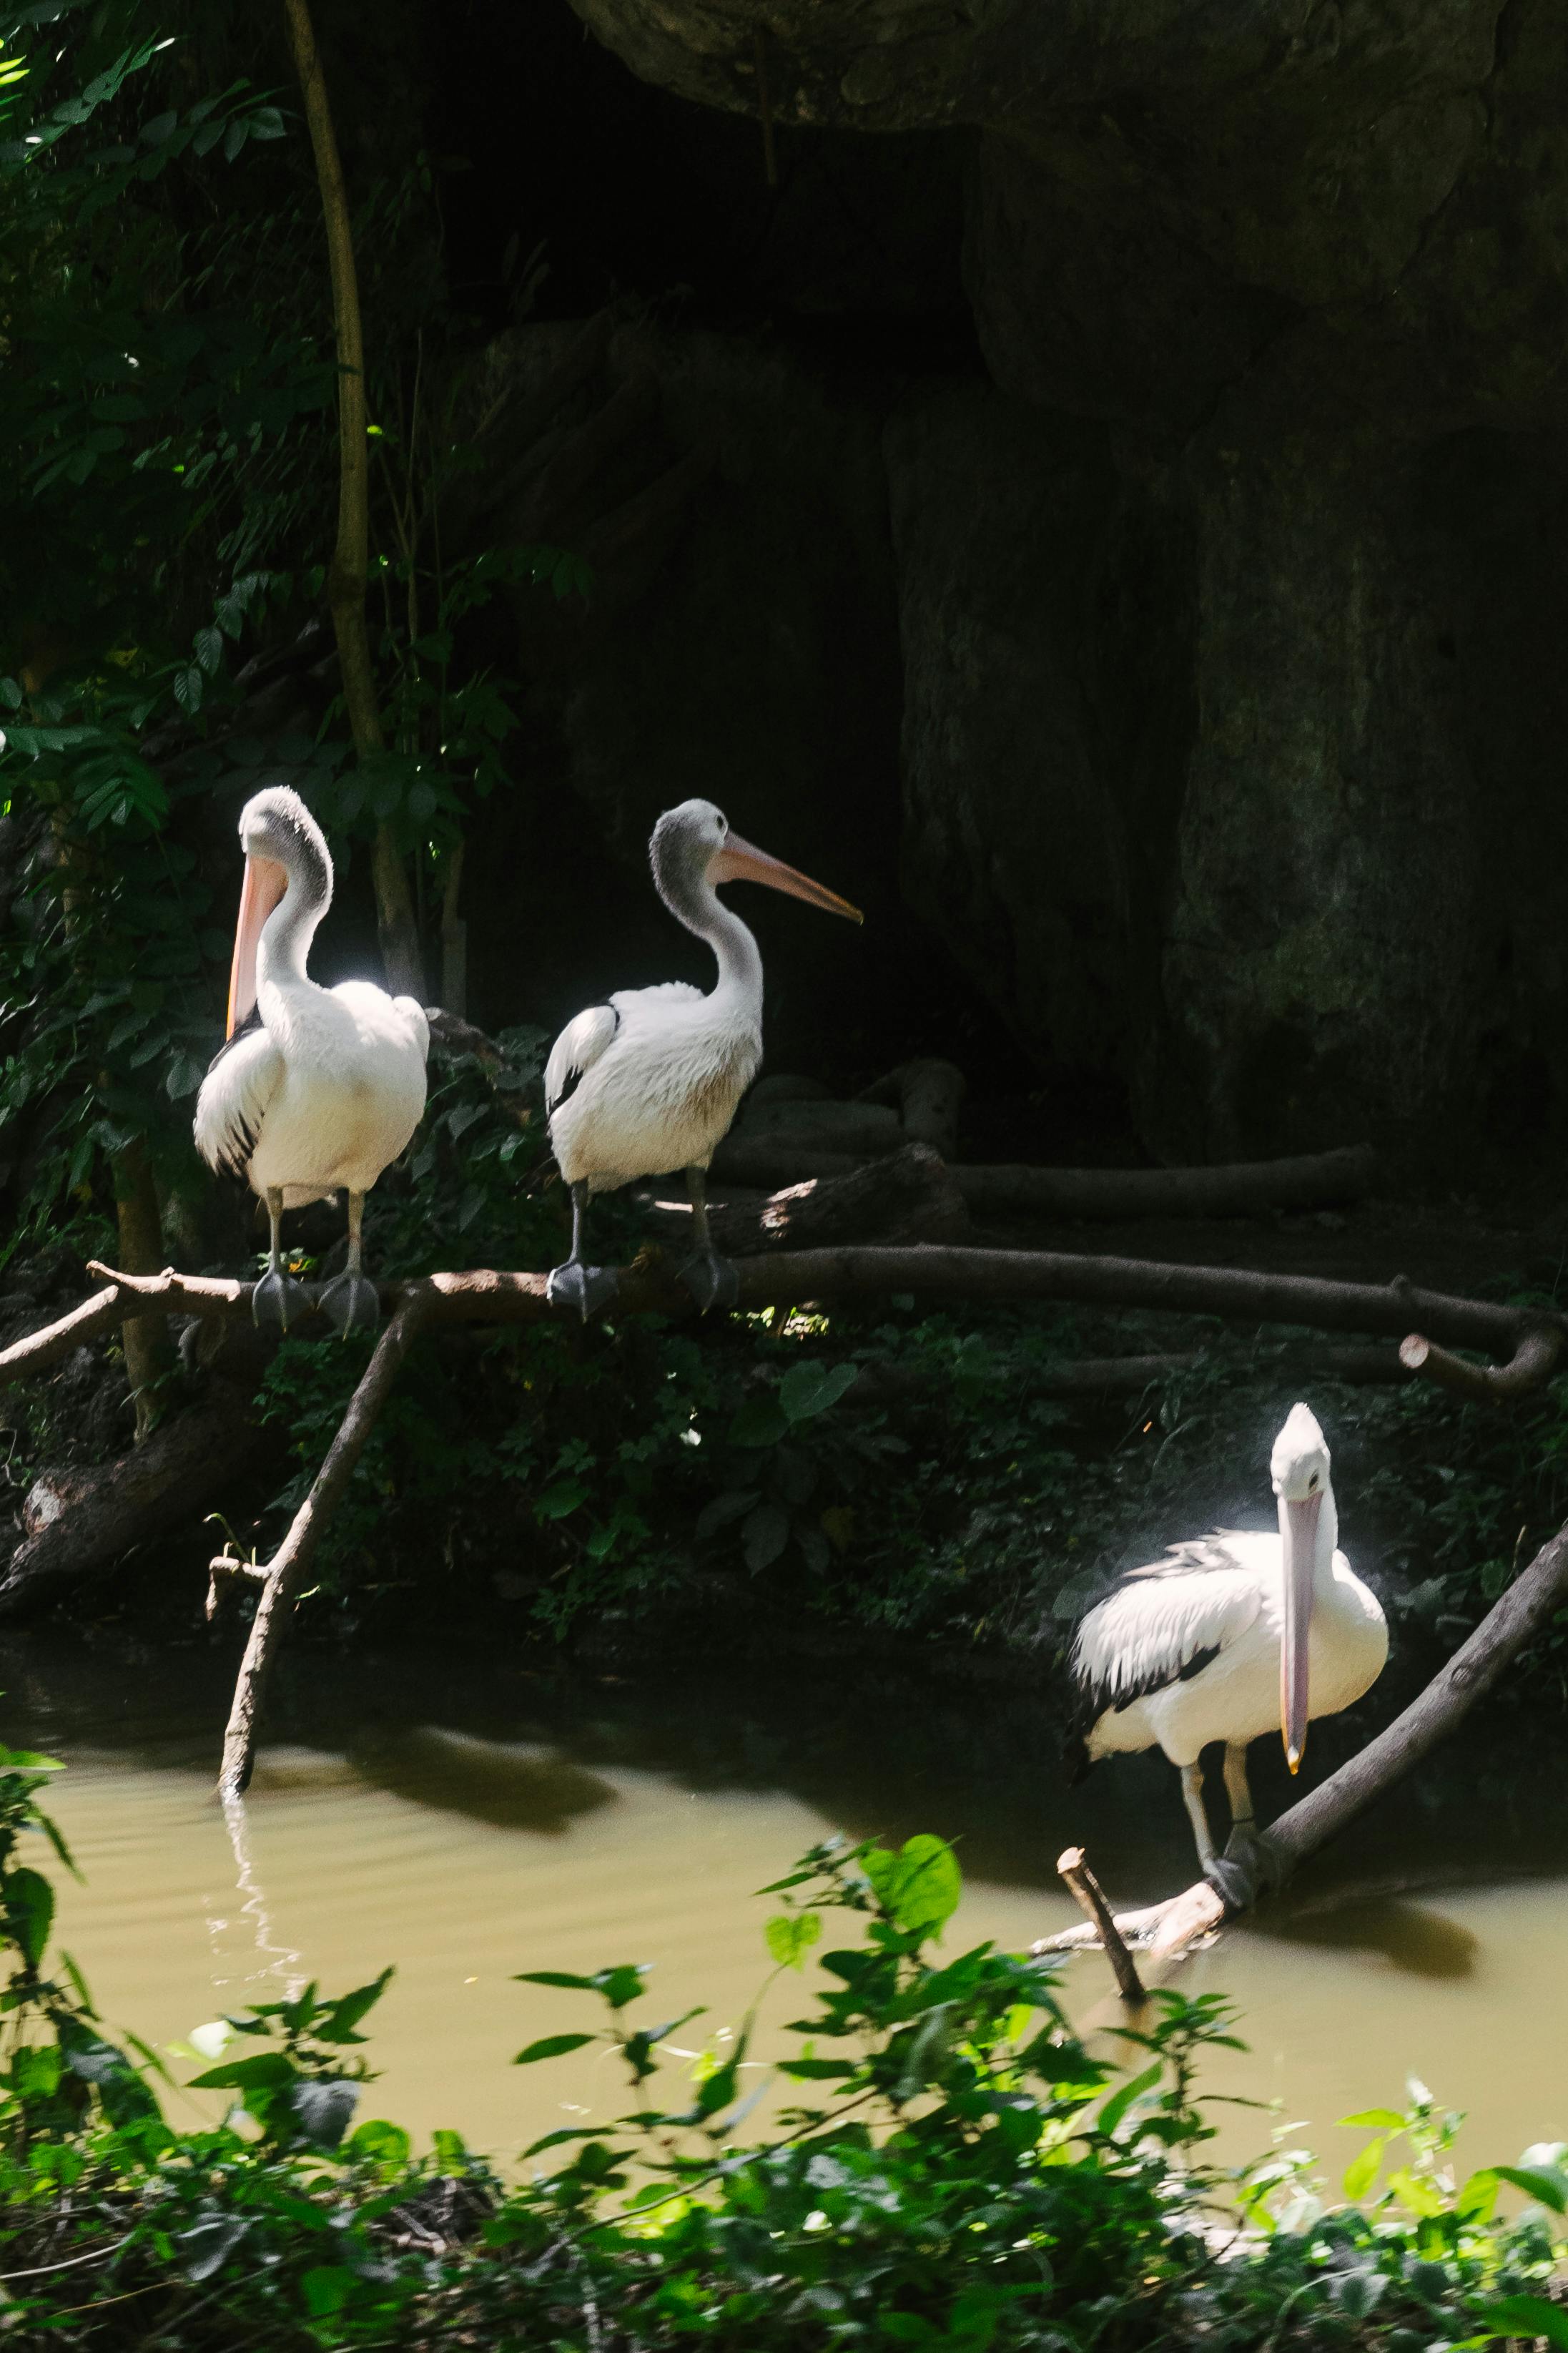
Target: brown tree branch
287,1569
934,1271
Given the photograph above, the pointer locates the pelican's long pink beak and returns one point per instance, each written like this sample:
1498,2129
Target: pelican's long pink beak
738,861
1299,1531
264,883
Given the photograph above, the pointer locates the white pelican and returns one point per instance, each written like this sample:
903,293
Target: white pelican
329,1087
1229,1636
648,1082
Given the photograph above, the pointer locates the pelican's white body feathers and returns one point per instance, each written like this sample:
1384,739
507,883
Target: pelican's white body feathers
322,1097
649,1082
327,1090
1220,1602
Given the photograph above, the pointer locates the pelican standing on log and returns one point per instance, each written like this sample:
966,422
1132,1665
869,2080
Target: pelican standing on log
324,1090
1231,1635
648,1082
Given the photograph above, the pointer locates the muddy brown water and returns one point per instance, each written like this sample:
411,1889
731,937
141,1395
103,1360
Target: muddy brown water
466,1817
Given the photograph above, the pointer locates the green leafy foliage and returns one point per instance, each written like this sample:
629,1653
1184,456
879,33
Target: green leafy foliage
956,2169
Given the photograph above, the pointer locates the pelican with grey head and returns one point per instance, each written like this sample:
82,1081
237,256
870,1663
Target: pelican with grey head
649,1082
317,1090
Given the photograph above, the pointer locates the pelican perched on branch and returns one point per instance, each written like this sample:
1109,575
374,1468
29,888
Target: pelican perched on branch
649,1082
326,1088
1230,1636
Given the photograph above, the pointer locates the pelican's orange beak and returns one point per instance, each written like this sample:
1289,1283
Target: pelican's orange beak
1299,1529
264,883
738,861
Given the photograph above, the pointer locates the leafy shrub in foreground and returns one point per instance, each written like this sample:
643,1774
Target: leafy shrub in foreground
959,2171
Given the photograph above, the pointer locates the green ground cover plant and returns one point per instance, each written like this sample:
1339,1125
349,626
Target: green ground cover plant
956,2168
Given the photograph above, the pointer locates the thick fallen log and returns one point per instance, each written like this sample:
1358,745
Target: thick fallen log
1514,1621
78,1522
908,1198
1245,1188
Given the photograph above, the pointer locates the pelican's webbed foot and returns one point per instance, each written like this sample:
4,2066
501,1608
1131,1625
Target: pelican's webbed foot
1245,1871
277,1301
585,1288
351,1303
712,1279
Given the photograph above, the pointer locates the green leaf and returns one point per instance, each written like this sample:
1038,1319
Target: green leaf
1362,2171
551,2046
343,2015
791,1936
759,1422
378,2143
920,1887
1115,2107
266,2071
1548,2189
327,2289
29,1911
764,1536
807,1390
1523,2316
560,1500
1384,2120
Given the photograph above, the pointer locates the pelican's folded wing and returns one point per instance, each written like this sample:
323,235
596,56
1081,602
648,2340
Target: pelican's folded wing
241,1081
1163,1623
577,1049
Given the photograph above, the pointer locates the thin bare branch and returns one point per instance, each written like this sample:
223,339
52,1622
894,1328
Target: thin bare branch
287,1571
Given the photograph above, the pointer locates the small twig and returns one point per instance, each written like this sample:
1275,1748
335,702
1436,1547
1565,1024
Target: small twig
95,2255
1072,1867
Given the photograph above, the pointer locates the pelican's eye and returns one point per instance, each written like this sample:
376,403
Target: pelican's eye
1311,1482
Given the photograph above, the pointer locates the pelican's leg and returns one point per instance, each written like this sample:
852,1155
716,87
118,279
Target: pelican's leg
1243,1868
1197,1812
711,1280
277,1301
349,1301
579,1285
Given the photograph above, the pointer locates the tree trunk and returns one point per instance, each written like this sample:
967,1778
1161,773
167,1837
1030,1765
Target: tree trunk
148,1352
395,921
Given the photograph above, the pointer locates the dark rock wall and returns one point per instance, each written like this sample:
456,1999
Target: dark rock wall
1214,621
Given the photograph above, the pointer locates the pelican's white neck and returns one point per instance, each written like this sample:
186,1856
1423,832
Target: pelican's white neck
284,948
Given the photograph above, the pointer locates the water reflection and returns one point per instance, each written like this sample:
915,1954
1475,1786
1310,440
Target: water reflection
515,1785
1408,1937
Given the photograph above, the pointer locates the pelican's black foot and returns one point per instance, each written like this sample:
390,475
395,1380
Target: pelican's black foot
711,1280
277,1301
351,1303
1245,1870
585,1288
